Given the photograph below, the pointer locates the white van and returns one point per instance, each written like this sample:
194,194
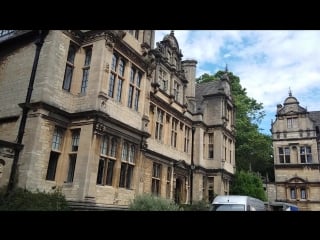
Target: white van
237,203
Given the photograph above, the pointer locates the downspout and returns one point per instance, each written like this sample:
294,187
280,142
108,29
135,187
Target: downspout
192,166
25,109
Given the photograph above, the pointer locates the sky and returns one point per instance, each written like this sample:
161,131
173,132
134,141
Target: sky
269,63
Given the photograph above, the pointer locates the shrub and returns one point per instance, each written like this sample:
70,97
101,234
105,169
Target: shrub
197,206
23,200
148,202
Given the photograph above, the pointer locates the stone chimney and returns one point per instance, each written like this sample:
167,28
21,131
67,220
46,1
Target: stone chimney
189,67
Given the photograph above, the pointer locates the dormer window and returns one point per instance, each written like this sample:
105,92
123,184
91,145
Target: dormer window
176,90
163,82
292,122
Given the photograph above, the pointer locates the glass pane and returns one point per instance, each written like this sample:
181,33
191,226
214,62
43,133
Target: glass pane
287,151
87,60
52,166
71,53
124,154
110,172
72,165
100,171
280,150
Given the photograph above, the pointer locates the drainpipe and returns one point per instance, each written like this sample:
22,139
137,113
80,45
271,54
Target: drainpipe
171,182
192,166
25,109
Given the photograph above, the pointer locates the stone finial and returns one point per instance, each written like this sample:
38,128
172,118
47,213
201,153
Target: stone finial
172,33
290,93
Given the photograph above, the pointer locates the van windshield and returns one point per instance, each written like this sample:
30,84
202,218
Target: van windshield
228,207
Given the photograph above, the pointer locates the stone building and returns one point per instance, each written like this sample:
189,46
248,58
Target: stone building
108,116
295,136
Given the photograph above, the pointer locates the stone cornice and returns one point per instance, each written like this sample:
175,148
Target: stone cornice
131,54
11,145
291,139
95,115
75,35
287,183
167,108
9,119
158,156
297,166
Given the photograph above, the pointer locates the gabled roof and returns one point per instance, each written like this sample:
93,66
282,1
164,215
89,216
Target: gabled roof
205,89
315,116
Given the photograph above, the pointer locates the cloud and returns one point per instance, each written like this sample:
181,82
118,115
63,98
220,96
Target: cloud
267,62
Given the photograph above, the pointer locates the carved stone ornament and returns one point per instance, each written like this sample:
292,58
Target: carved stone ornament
151,63
155,86
6,152
144,144
145,122
121,34
103,105
100,127
110,41
106,69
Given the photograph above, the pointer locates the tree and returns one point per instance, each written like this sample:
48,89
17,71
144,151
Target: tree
253,149
249,184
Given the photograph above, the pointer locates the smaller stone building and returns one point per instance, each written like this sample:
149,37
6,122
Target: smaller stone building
295,136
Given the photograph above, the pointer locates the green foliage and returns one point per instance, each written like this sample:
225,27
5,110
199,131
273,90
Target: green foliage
148,202
248,183
253,149
196,206
205,78
23,200
246,108
254,152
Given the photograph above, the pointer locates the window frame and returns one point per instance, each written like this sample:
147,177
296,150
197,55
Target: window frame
156,179
86,69
159,124
134,88
107,158
117,76
210,145
56,146
176,90
174,132
306,154
187,131
284,154
70,65
128,158
75,139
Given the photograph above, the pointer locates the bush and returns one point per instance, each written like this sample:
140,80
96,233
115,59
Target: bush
23,200
148,202
197,206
